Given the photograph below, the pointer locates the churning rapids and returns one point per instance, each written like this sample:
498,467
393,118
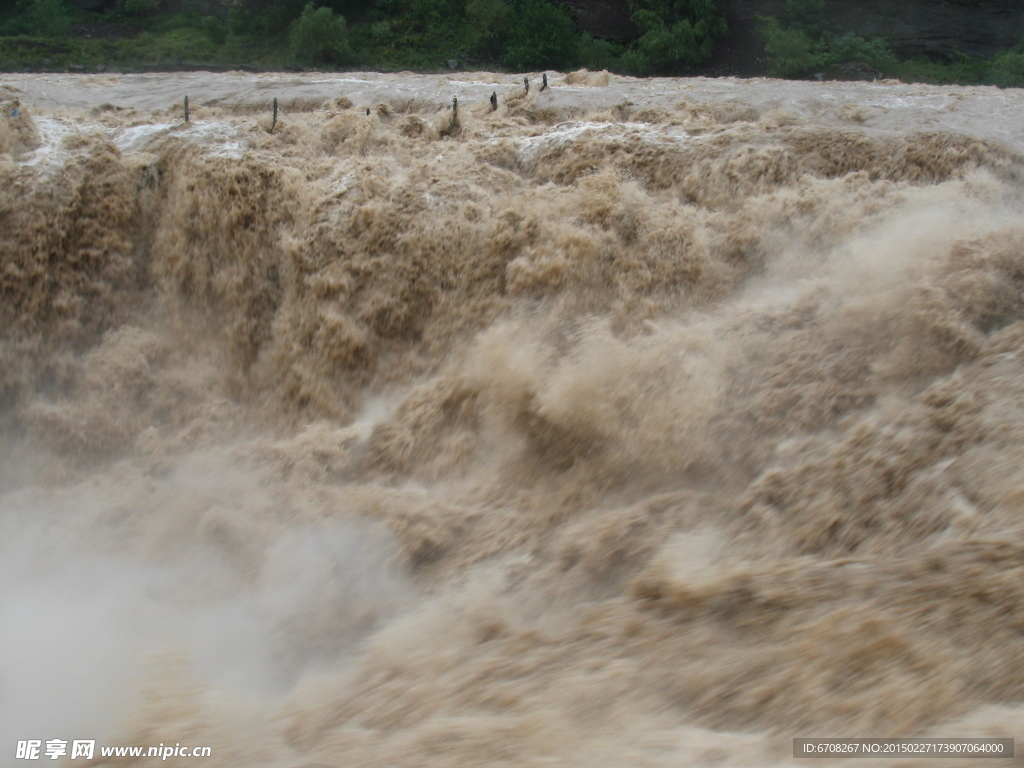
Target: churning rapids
636,423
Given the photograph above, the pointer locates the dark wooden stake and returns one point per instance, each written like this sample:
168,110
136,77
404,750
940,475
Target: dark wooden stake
526,82
186,109
273,123
544,84
455,111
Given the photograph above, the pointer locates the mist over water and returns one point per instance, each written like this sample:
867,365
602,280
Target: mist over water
646,423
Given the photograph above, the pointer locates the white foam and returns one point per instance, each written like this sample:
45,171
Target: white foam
564,134
52,133
218,138
135,138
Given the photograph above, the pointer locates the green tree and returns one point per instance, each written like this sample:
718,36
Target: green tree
809,15
215,29
319,36
541,35
666,49
270,18
854,49
703,15
487,23
791,51
594,53
676,35
47,18
1007,69
240,21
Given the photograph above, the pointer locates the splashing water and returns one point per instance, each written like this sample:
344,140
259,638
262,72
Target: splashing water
648,423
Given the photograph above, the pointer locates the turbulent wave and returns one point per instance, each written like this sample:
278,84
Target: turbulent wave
628,424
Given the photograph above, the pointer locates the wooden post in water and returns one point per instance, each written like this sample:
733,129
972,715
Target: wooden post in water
494,101
526,82
544,83
455,111
186,109
273,123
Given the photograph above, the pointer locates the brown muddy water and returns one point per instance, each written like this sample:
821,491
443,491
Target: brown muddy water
637,423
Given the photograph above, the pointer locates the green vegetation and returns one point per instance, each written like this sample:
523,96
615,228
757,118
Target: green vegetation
676,35
319,37
802,48
794,52
537,37
47,18
673,37
487,22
